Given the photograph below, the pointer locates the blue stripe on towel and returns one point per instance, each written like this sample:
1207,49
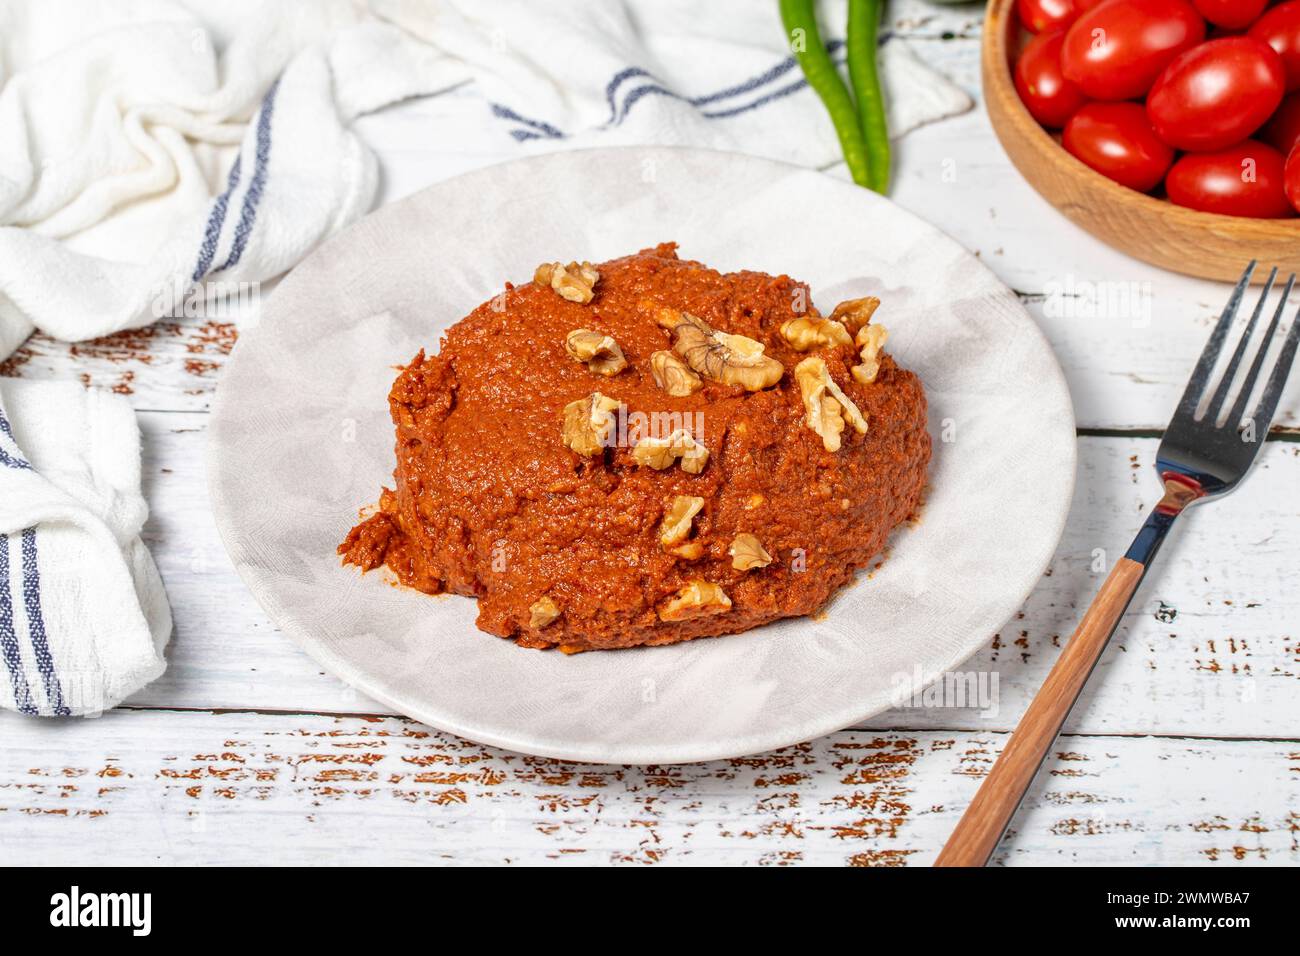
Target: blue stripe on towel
6,459
716,113
546,130
248,214
784,91
753,83
36,624
612,87
9,461
8,640
655,88
216,219
618,113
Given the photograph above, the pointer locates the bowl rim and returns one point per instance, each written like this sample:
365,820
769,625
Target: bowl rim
996,64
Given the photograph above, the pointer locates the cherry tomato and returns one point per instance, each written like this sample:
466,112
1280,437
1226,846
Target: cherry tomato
1230,14
1292,178
1216,94
1039,15
1283,130
1242,180
1116,50
1050,97
1280,29
1117,140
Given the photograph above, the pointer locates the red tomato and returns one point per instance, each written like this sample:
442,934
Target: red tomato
1230,14
1283,130
1280,29
1116,50
1039,15
1117,140
1049,96
1292,178
1242,180
1216,94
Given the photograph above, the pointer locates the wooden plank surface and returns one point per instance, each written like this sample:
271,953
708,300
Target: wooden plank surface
163,787
1225,639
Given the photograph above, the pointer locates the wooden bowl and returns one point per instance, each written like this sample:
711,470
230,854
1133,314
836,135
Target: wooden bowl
1184,240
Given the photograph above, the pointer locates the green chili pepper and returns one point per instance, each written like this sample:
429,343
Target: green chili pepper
806,43
861,43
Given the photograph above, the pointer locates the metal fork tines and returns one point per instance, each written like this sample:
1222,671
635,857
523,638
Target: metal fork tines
1203,454
1204,446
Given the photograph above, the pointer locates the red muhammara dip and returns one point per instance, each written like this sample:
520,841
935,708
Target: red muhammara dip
645,451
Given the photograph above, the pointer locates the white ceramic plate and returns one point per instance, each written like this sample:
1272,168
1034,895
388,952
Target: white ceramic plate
301,438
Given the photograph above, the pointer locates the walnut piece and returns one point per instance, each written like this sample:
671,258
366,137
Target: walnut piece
747,552
588,423
601,353
872,338
673,375
543,612
575,282
827,407
660,453
814,332
665,317
696,599
676,526
687,550
720,356
855,313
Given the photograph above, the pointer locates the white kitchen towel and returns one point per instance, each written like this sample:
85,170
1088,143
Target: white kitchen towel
83,615
148,147
576,73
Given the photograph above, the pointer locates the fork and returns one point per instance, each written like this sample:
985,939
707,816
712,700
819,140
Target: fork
1202,456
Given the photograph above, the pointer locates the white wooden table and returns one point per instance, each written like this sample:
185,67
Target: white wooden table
1185,748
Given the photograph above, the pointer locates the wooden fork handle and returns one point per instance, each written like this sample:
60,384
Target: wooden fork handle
976,836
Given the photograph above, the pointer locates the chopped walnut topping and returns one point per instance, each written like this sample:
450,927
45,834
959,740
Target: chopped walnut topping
676,526
600,352
872,338
855,313
827,407
687,550
660,453
696,599
588,423
665,317
814,332
575,282
543,612
747,552
673,375
720,356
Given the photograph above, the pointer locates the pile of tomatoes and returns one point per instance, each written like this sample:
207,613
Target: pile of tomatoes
1200,97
